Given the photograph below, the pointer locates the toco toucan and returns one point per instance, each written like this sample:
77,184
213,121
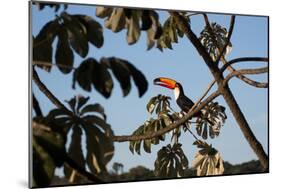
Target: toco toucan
183,101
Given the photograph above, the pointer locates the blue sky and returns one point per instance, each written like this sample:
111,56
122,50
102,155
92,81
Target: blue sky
184,65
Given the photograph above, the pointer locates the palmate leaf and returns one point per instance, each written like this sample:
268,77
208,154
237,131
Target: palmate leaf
77,34
74,32
159,103
90,72
75,153
207,161
64,55
94,30
42,43
48,152
150,126
170,33
56,6
171,161
214,39
90,122
134,20
212,120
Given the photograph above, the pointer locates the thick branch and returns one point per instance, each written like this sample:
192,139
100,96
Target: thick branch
36,106
225,90
174,125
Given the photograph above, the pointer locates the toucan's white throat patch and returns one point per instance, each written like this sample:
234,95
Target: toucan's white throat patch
176,92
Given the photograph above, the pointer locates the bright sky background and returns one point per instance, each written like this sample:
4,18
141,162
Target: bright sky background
184,65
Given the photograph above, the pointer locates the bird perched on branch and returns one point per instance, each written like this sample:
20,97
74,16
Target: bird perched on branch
183,101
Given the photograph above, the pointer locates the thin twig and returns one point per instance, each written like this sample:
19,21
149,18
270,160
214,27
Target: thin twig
192,134
203,96
227,65
243,59
245,71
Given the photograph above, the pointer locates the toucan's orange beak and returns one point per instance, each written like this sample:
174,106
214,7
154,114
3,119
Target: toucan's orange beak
165,82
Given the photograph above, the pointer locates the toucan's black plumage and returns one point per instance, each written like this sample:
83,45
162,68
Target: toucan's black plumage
183,101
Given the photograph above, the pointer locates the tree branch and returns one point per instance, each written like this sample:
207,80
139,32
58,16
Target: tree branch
193,38
243,59
174,125
48,93
227,65
36,106
244,72
225,91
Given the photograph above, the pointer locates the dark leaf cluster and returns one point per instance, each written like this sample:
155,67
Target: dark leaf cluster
212,120
55,6
214,39
136,20
88,120
207,161
48,151
74,33
93,73
171,161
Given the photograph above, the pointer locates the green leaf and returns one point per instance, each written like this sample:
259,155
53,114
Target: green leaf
209,163
146,20
102,80
77,34
97,121
116,22
72,103
81,101
100,149
94,30
138,78
170,162
42,44
93,108
75,150
43,166
91,72
147,145
133,32
120,71
214,38
83,75
64,55
103,12
151,104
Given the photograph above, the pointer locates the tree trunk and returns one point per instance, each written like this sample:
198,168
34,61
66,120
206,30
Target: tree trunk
244,126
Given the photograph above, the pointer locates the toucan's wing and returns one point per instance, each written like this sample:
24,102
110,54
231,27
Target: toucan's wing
184,103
